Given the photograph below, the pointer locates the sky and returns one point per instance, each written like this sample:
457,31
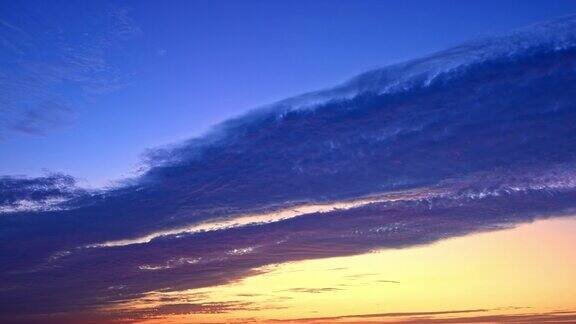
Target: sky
169,72
452,284
249,161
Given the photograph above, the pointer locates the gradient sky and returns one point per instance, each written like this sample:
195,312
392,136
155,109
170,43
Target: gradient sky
520,272
346,161
177,69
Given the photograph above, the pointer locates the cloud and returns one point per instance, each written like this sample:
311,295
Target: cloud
362,275
313,290
51,67
51,192
188,308
380,316
485,144
455,316
449,316
46,116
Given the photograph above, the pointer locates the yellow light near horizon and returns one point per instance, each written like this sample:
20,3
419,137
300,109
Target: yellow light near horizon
533,265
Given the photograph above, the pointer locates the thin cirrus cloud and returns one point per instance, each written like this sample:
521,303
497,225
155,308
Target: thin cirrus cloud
450,316
475,138
453,316
46,63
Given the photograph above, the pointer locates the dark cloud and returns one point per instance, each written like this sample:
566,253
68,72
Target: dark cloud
137,315
313,290
200,308
475,138
362,275
22,194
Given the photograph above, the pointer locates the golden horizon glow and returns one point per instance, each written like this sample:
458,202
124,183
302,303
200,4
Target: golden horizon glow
530,268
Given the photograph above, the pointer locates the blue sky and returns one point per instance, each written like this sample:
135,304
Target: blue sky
180,68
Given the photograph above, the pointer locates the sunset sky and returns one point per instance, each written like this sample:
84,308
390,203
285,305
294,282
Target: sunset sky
287,161
520,272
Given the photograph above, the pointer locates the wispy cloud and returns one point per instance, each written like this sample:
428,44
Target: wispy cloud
313,290
450,316
380,316
21,194
50,68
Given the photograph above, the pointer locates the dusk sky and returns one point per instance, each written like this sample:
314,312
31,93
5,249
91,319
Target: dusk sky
143,74
287,161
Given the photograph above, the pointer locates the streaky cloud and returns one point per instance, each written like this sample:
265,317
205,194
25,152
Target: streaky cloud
450,316
43,62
